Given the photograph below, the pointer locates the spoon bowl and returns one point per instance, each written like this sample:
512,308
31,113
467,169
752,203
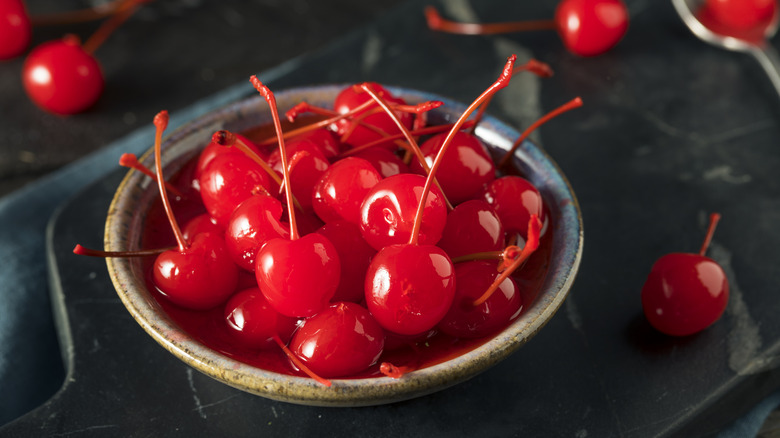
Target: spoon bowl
753,40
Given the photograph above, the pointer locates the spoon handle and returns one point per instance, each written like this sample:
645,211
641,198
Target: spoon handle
769,59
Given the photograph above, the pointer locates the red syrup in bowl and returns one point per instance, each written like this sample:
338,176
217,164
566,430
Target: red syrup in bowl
209,328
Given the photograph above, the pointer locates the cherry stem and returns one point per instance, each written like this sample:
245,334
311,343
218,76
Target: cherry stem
228,139
396,372
416,132
161,122
271,99
714,218
485,255
531,244
500,83
414,147
131,161
80,250
300,364
436,22
81,15
109,26
538,68
574,103
321,124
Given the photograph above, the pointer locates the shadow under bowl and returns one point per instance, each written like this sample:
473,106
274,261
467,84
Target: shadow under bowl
133,198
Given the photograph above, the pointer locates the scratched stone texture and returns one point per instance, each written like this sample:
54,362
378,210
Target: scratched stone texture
671,131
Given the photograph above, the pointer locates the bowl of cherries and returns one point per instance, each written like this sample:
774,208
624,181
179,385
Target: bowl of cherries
364,247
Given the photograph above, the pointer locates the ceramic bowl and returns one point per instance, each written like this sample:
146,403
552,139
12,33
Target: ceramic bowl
136,193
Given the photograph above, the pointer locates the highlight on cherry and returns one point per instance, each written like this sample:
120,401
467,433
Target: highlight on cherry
348,244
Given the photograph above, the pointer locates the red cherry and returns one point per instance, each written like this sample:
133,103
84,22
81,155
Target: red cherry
324,139
253,223
198,274
466,320
591,27
685,293
354,254
15,29
388,212
352,97
61,77
341,340
214,149
472,227
514,199
740,14
229,180
253,322
307,164
465,168
339,193
297,276
409,288
201,224
384,161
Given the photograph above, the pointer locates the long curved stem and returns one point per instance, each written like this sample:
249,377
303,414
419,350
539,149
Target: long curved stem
271,99
160,123
500,83
436,22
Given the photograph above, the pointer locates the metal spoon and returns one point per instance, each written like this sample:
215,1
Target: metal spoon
764,53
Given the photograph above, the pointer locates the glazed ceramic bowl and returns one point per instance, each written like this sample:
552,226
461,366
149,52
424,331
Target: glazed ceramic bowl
124,230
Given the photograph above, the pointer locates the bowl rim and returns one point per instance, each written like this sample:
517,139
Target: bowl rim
352,391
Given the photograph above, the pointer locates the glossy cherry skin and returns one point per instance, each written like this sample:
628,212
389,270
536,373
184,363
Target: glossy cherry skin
228,180
298,277
386,162
591,27
339,193
324,139
354,254
201,277
308,163
464,319
60,77
465,168
741,14
387,213
214,149
350,98
409,288
253,323
201,224
341,340
514,199
472,227
15,29
684,294
253,223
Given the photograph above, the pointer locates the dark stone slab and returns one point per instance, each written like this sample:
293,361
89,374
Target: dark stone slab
671,131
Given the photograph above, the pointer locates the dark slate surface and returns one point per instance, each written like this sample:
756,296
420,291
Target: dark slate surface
671,131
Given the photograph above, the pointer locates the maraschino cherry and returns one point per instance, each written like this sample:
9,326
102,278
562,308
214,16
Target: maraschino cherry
341,340
686,293
63,76
15,29
300,275
409,287
587,27
253,322
740,14
197,274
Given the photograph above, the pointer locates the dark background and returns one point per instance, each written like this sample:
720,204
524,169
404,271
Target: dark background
671,130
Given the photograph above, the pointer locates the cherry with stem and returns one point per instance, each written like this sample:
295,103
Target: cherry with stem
297,276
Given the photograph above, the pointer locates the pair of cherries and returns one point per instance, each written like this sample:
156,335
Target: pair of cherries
63,76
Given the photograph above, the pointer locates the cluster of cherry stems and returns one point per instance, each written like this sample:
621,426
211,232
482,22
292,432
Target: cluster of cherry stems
370,246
